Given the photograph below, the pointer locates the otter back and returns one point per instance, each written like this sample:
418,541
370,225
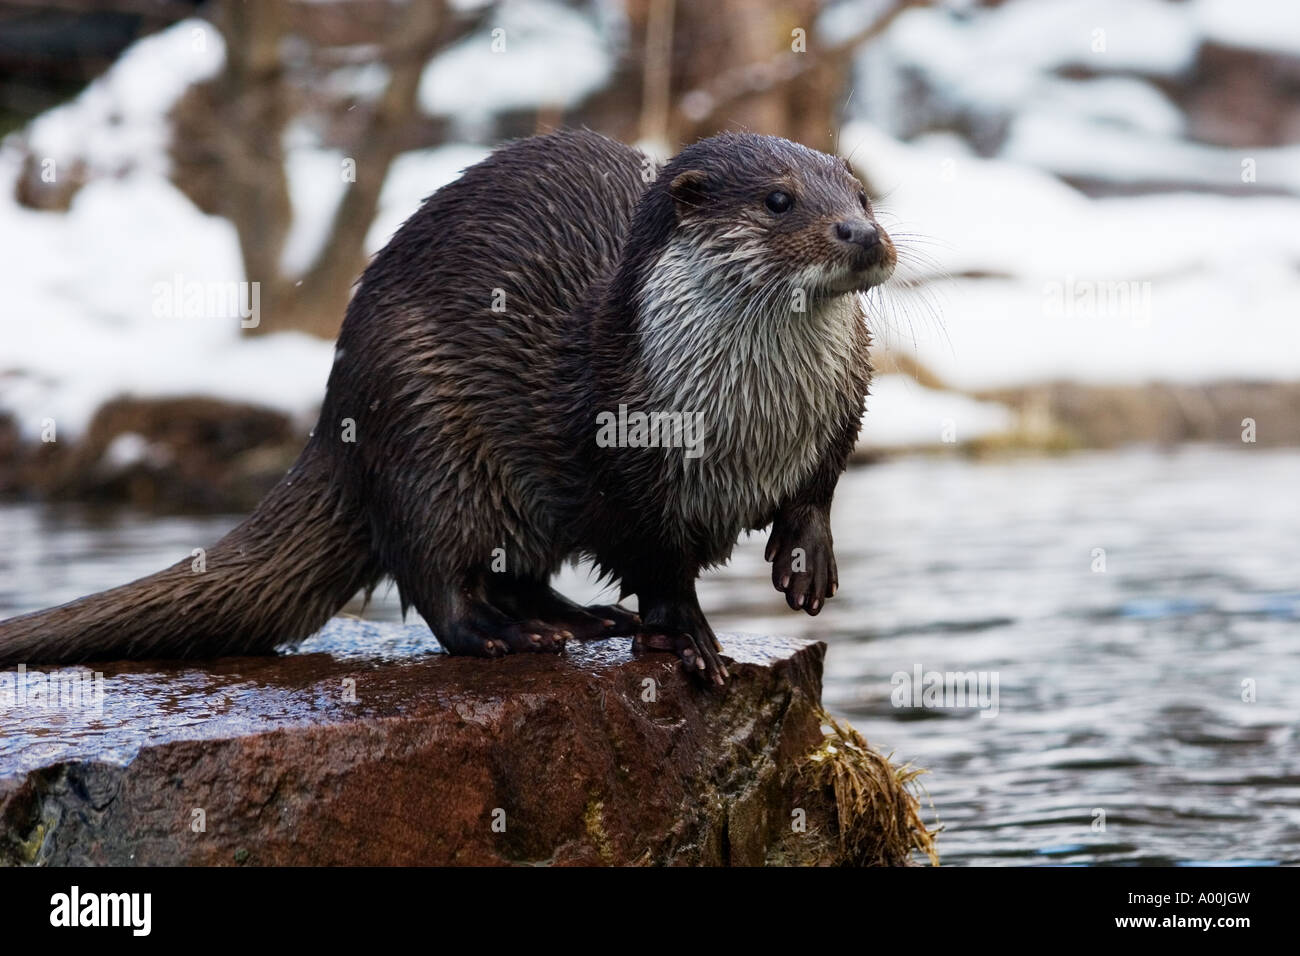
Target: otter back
450,359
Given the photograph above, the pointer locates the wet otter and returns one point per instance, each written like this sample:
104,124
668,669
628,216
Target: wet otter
466,444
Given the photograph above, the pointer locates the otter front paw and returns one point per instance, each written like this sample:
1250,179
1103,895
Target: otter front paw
803,560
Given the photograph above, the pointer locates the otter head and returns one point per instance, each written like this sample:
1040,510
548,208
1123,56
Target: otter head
784,213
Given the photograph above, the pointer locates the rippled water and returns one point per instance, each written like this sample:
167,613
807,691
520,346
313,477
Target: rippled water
1119,691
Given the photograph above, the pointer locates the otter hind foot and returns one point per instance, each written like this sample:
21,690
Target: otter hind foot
484,631
537,602
615,619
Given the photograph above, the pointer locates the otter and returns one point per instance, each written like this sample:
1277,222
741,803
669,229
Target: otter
465,447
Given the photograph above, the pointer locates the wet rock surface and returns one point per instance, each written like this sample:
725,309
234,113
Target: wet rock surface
368,747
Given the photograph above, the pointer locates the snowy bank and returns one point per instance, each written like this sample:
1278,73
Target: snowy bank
96,303
1049,284
904,414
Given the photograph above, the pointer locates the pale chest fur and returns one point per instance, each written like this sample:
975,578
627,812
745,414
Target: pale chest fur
766,381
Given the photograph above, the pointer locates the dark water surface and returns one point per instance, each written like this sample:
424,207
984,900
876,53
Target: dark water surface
1119,692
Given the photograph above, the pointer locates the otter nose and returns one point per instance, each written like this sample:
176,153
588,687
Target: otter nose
858,232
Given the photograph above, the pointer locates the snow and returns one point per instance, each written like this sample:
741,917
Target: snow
126,450
553,56
997,58
92,309
119,121
902,413
1211,280
89,311
316,187
1121,102
362,81
1073,146
1272,25
1048,283
1000,68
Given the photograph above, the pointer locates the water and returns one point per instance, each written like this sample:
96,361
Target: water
1119,691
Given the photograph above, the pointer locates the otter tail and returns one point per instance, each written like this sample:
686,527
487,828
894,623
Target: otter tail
274,579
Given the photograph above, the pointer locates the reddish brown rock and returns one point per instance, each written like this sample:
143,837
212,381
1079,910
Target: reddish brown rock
595,757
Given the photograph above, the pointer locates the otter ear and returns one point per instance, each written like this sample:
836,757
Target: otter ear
689,190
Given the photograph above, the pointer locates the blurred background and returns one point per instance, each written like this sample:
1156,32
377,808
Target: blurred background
1079,467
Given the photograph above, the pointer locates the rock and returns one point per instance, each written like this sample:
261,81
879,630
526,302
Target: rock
365,748
35,189
1241,98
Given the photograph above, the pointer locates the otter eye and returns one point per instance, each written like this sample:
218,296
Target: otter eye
862,201
779,202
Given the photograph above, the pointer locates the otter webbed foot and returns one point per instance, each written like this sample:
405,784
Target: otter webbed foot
683,631
803,558
536,601
615,618
589,623
483,631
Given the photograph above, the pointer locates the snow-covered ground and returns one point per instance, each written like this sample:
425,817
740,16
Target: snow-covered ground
902,413
1048,282
1178,286
90,310
119,121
